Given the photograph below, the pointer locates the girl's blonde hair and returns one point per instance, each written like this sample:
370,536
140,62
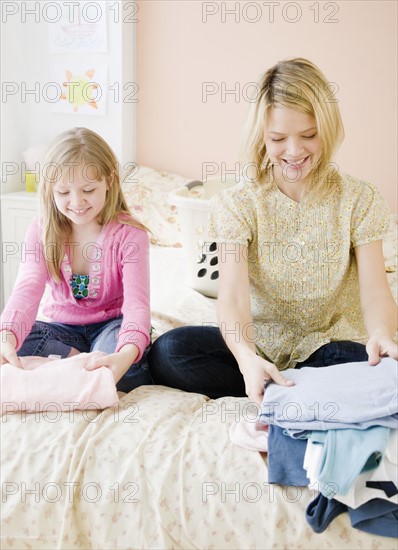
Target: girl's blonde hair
77,147
295,84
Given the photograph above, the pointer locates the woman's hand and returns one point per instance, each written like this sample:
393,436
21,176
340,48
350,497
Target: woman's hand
8,353
118,362
381,345
256,372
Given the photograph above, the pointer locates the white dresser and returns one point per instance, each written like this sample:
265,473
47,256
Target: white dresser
17,211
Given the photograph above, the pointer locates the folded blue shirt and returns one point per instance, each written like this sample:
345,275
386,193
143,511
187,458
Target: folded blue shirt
349,395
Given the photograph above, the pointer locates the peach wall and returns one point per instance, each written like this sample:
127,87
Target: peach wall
181,46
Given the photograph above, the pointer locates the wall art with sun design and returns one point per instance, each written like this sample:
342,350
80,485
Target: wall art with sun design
81,88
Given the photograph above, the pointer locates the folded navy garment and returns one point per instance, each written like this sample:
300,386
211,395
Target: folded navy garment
322,511
286,458
323,399
377,516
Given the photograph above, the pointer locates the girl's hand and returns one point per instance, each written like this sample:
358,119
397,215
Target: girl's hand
118,362
8,353
256,372
381,345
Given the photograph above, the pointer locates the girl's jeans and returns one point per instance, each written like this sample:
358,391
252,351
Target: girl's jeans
58,339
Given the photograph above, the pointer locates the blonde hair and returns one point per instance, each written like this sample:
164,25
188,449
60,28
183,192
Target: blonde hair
77,147
295,84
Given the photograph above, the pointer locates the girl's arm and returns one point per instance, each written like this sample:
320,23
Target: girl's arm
133,336
378,305
21,309
119,362
236,323
135,330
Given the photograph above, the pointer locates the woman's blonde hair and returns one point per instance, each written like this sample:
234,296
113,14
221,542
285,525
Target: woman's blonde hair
77,147
295,84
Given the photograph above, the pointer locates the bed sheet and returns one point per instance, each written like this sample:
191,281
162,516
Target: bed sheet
156,472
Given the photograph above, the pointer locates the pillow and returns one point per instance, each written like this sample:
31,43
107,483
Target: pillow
146,191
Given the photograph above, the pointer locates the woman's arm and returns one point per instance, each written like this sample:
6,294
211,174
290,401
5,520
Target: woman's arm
236,323
378,305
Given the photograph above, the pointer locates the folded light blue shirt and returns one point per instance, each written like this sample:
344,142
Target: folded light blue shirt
347,453
350,395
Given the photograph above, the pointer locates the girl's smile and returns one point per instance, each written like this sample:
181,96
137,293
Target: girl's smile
79,212
80,196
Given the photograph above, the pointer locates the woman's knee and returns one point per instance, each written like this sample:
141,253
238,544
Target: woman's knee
165,349
344,351
186,341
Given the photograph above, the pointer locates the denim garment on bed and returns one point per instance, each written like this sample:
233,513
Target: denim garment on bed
286,458
377,516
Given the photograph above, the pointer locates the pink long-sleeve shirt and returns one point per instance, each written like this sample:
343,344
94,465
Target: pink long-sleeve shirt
118,285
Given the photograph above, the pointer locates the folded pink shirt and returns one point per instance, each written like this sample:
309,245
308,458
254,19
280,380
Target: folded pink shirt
61,384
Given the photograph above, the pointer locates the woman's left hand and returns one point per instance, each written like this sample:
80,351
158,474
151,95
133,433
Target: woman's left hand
381,345
118,362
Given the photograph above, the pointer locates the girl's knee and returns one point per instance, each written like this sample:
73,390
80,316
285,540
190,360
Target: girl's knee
40,328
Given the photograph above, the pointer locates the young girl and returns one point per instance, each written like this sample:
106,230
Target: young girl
300,250
95,258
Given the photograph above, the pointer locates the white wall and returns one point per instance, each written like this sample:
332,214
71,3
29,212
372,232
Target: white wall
25,60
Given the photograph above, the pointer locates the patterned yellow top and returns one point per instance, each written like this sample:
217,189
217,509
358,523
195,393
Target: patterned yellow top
303,277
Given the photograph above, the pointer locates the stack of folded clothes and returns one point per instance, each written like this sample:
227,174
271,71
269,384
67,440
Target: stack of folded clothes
336,430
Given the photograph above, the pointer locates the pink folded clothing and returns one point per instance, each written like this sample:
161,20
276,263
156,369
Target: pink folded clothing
250,435
45,384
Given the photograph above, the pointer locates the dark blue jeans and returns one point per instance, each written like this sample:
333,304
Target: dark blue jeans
57,339
197,359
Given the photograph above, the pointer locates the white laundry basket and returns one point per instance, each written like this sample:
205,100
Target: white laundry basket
200,250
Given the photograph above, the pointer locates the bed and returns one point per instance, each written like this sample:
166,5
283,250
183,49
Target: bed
157,471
